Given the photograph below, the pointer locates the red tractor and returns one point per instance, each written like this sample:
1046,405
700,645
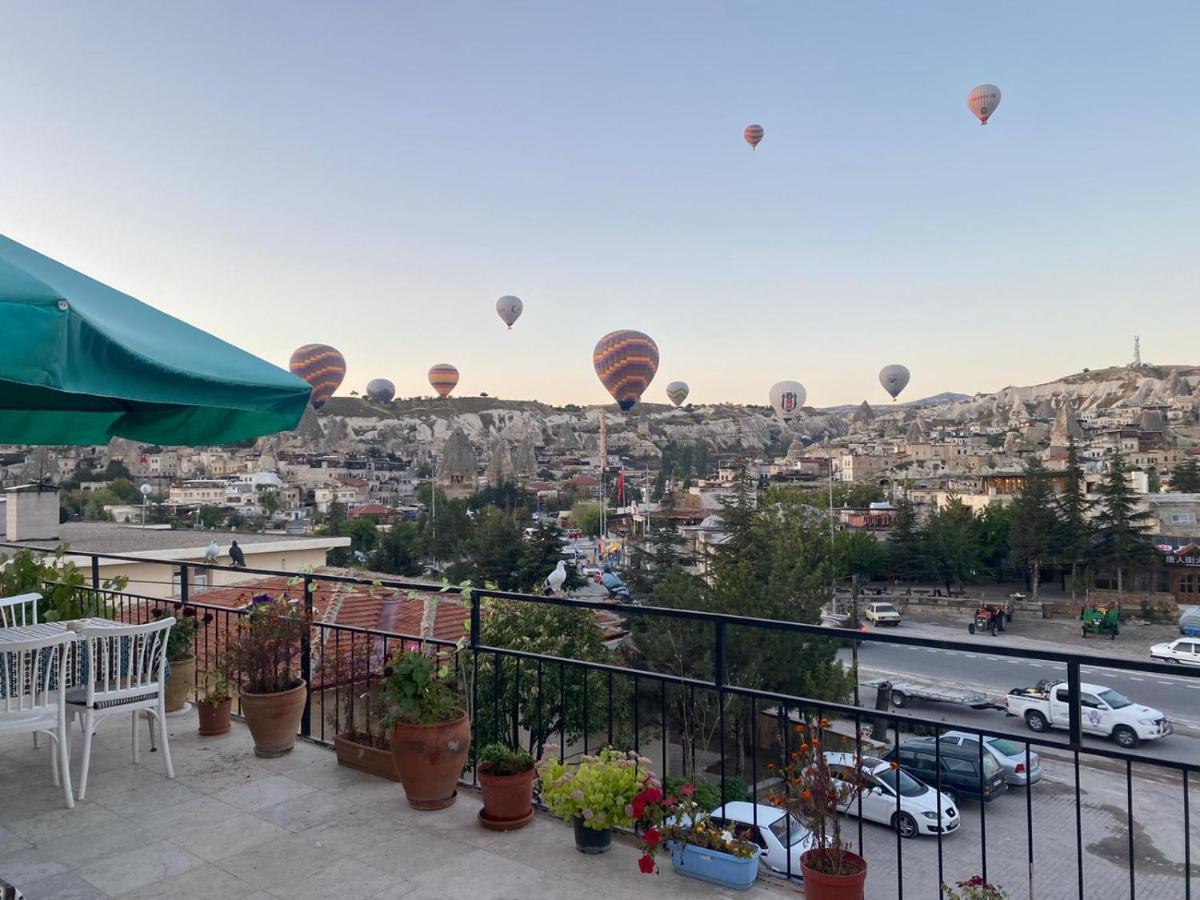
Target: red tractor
990,617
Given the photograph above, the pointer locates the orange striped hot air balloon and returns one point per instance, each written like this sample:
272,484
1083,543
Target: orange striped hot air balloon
321,366
626,362
753,134
443,377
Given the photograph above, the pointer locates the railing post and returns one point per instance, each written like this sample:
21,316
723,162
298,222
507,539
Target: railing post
1074,720
95,572
306,658
183,584
719,675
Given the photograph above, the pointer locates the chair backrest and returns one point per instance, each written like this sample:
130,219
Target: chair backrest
124,661
19,611
31,673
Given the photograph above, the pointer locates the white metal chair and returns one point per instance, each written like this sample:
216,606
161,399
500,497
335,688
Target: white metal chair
33,677
19,611
126,670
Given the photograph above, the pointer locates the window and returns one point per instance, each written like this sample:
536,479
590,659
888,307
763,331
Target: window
1183,518
1062,695
953,765
787,826
1089,701
1006,747
1115,700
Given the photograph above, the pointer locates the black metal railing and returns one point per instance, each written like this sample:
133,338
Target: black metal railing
536,698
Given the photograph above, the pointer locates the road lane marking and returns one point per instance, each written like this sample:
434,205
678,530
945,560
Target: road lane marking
1136,678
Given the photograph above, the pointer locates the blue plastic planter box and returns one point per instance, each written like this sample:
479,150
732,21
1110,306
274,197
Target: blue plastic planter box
737,872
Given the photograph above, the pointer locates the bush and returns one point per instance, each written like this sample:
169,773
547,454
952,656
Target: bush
708,793
497,759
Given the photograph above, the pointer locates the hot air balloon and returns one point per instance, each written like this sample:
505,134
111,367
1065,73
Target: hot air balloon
982,101
787,397
322,367
380,390
753,134
626,362
677,391
894,378
509,308
443,377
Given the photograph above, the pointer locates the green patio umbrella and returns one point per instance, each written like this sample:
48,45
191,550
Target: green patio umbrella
81,363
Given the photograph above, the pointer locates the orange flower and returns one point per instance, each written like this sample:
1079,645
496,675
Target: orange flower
804,748
806,794
895,765
824,723
771,767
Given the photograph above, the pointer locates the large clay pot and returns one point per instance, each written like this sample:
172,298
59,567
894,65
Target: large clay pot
179,682
430,759
507,800
819,886
214,718
365,758
274,719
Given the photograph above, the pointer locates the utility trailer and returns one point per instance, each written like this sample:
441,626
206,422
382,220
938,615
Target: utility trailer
904,691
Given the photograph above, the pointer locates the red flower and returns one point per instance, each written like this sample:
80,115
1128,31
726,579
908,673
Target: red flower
687,790
651,837
639,806
646,864
670,801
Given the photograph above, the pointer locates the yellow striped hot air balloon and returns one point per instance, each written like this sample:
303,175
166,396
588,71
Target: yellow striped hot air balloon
443,377
321,366
626,362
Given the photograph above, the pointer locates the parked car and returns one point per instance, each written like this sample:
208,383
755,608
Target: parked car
1103,711
1009,754
1189,623
882,613
1184,650
960,775
592,572
917,810
775,831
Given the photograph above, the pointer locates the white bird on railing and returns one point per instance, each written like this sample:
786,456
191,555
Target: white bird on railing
213,551
556,579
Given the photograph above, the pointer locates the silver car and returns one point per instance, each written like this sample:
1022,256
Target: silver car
1009,754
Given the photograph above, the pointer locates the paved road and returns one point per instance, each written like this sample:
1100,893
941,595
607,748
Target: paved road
1178,697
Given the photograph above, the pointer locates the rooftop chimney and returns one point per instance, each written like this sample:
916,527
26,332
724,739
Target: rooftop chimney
31,513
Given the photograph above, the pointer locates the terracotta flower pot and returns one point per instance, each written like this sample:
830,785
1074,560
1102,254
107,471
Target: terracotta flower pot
430,759
179,682
507,800
819,886
214,718
274,719
365,758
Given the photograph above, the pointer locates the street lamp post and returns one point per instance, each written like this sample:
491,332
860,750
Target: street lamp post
147,490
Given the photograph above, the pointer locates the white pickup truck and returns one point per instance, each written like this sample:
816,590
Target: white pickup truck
1102,711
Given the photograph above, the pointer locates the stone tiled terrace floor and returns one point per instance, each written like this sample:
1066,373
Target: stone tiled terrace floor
232,825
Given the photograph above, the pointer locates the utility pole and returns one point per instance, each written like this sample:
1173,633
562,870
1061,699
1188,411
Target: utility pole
854,592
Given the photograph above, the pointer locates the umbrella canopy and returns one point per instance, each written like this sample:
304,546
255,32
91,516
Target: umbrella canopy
81,363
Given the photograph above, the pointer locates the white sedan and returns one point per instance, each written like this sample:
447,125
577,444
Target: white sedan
882,614
774,831
917,809
1184,650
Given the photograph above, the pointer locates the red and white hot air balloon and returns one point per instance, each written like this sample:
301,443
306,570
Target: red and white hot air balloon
982,101
753,134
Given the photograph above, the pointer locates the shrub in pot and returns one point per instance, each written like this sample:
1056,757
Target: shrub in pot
811,793
974,888
264,652
596,793
358,713
506,780
215,699
181,655
431,731
699,847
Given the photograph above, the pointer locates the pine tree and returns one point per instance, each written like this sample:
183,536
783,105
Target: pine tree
1075,532
1034,522
951,541
1185,477
1119,524
905,552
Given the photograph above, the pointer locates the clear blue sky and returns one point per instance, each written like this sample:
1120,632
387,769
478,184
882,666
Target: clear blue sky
375,175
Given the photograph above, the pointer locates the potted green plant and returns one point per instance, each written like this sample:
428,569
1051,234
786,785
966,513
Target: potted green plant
214,700
974,888
811,793
699,847
181,655
596,793
430,730
264,651
360,737
506,781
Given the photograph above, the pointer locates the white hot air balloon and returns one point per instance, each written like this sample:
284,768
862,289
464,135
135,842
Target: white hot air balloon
786,398
894,379
509,308
677,391
982,101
